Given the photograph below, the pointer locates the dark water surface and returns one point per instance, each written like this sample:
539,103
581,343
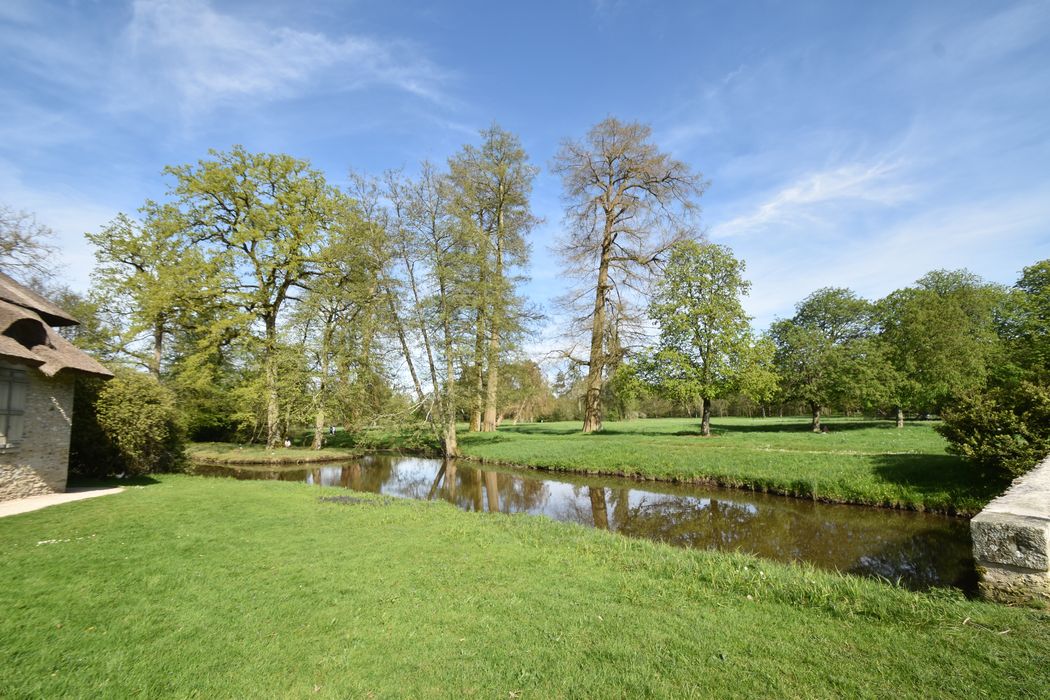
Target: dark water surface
918,549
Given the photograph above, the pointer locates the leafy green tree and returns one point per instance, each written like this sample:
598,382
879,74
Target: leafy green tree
1005,429
266,219
1005,426
1025,325
526,394
436,250
627,204
489,189
939,338
817,350
705,342
148,279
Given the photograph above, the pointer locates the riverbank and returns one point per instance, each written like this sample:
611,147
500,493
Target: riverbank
859,462
230,453
127,596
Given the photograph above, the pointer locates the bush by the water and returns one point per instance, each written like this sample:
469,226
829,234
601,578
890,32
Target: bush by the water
127,424
1006,430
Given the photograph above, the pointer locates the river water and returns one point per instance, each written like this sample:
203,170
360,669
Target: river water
919,550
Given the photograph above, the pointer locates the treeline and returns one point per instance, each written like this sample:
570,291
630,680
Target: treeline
268,300
265,302
951,346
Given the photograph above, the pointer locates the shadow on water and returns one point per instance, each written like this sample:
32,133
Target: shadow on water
919,550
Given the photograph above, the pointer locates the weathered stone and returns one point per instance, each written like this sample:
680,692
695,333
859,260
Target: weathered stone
1014,540
40,461
1011,540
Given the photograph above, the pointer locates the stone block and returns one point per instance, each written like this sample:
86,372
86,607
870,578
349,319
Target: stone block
1019,541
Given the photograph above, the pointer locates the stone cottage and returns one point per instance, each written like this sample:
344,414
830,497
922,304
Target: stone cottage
37,370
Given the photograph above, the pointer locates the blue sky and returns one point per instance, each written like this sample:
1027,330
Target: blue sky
849,144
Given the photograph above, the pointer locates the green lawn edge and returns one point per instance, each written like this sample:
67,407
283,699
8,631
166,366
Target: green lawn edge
223,588
858,462
232,453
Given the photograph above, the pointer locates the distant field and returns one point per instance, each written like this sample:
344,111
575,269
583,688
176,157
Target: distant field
230,453
216,588
868,462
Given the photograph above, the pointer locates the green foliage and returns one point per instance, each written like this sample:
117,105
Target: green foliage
939,338
139,418
819,350
705,335
1005,430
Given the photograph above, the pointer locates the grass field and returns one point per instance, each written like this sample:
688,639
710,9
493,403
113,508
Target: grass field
864,462
219,588
230,453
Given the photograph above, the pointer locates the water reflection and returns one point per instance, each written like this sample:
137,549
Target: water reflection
920,550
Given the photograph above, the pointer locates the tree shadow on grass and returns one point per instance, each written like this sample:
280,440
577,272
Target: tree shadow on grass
538,429
91,482
934,474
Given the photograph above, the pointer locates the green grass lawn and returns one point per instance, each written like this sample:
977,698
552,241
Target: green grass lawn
230,453
220,588
865,462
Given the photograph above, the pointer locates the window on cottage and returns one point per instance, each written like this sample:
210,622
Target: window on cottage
13,385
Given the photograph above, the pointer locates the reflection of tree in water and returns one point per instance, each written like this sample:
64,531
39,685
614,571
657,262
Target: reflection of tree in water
479,489
921,550
921,557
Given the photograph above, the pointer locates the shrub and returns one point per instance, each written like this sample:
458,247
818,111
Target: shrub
1006,430
137,431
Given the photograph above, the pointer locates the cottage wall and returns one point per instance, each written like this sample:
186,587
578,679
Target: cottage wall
39,464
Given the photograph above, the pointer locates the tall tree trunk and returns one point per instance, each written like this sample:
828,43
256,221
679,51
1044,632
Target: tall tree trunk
421,322
815,426
592,416
900,417
404,347
492,385
158,348
318,429
478,373
449,444
273,401
705,422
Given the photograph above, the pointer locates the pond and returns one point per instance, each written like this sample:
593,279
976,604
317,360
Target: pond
920,550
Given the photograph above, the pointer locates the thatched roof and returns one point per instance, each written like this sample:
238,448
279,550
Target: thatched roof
26,334
15,293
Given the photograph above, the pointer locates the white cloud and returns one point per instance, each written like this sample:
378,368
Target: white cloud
205,58
993,237
808,197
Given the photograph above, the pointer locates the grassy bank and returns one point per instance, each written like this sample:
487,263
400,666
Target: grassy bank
231,453
865,462
268,591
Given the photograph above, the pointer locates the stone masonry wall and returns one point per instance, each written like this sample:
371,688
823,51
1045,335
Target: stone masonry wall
39,464
1011,541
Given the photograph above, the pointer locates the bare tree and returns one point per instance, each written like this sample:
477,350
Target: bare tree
627,203
25,245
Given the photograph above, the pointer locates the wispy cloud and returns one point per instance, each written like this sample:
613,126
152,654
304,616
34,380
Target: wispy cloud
208,58
985,235
809,197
